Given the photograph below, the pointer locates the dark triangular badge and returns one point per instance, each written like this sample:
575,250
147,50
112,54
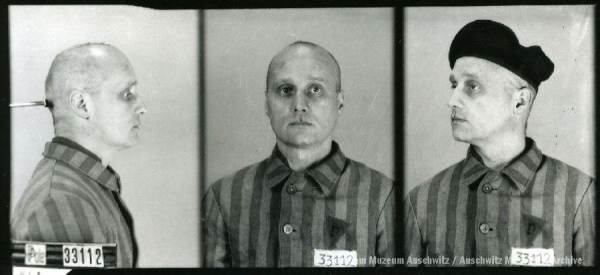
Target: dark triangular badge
336,228
532,226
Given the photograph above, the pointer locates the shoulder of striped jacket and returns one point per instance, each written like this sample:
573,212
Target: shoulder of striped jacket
228,179
583,177
385,180
430,180
66,174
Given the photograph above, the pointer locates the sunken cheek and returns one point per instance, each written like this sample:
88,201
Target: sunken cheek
278,103
486,113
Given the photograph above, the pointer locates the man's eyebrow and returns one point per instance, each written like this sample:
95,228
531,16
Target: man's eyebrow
279,81
468,75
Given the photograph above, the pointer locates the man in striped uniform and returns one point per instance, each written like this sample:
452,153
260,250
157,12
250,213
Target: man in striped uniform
74,195
307,204
506,203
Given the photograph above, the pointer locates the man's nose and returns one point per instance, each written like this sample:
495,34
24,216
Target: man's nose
300,103
455,101
141,106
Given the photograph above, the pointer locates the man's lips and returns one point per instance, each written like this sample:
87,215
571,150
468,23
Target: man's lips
457,120
300,123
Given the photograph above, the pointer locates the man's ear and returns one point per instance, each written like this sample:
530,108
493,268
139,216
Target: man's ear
80,104
340,96
522,100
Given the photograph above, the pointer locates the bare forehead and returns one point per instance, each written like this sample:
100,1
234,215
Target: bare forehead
298,54
473,67
113,59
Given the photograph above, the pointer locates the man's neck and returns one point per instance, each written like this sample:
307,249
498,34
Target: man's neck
300,158
104,154
497,155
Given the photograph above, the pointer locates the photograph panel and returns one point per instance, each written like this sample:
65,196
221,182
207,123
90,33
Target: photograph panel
499,135
280,85
160,174
562,119
241,43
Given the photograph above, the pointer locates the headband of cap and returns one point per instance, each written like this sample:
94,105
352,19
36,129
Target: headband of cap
497,43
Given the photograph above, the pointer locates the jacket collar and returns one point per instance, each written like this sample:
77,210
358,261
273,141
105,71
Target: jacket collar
81,159
325,172
520,171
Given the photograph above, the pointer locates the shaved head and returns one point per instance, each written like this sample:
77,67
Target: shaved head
80,68
302,49
303,98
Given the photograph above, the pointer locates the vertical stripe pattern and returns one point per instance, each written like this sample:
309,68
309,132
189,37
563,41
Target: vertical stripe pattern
337,204
469,212
69,199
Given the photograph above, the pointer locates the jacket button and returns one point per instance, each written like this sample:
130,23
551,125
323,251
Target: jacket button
291,189
288,229
487,188
484,228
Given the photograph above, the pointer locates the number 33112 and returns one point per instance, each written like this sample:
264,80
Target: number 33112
83,256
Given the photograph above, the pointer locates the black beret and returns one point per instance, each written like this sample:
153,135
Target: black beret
497,43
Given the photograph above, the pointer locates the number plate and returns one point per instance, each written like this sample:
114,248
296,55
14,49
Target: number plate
532,256
82,255
335,258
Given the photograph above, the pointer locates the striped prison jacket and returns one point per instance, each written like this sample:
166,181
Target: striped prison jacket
267,215
73,198
469,212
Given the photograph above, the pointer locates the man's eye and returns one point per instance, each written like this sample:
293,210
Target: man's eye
285,90
473,87
128,95
315,90
453,86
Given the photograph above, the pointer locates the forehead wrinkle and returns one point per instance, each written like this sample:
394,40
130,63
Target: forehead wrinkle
467,71
282,80
477,66
311,71
471,75
318,77
312,76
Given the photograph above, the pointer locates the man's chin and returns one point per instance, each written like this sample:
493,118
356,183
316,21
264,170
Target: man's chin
299,141
128,143
460,137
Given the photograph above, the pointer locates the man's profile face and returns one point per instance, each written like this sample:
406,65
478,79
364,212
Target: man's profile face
481,107
118,107
302,98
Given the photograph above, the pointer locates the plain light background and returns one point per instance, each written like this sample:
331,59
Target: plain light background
239,44
160,176
562,119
